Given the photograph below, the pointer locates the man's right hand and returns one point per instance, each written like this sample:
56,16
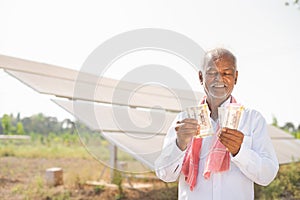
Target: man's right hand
186,129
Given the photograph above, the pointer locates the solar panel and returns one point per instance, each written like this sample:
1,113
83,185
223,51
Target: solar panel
276,133
46,70
111,118
147,97
45,84
18,64
144,150
139,139
287,150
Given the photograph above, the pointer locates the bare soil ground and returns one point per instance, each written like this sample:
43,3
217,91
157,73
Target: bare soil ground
24,178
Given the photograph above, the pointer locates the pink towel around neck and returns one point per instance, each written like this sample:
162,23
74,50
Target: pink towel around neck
191,162
218,159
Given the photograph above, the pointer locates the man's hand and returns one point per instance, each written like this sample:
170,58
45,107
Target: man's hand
232,139
186,129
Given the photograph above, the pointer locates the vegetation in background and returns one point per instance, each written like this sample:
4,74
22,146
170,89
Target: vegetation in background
285,186
288,127
118,179
50,138
293,2
287,182
39,124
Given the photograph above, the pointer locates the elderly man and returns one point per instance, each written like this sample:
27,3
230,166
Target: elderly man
226,164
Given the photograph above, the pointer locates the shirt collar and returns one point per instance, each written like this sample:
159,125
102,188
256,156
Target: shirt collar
225,103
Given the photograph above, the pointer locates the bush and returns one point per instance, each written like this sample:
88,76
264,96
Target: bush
285,186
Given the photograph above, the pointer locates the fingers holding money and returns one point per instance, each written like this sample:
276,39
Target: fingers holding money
232,139
187,124
186,129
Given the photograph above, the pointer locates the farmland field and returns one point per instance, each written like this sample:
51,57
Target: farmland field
23,165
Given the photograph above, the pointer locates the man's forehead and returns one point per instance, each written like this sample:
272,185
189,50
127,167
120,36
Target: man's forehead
216,58
211,68
221,62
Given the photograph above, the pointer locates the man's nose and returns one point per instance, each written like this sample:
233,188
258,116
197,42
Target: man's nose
218,76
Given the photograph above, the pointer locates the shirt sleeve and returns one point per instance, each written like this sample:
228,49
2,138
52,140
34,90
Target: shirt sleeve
257,158
168,165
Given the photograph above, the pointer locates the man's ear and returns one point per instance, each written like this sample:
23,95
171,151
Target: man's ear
201,77
236,76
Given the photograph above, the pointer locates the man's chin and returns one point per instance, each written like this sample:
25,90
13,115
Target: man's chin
219,96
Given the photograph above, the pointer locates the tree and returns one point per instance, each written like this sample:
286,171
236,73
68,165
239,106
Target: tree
41,124
1,128
68,125
18,117
289,126
6,124
20,129
275,122
294,2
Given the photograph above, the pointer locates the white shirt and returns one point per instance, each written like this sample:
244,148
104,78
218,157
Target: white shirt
255,162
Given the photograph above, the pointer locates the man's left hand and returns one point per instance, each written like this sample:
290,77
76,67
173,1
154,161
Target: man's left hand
232,139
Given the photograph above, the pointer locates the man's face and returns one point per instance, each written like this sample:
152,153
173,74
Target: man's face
219,77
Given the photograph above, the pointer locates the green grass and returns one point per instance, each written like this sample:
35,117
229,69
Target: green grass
60,146
44,147
42,151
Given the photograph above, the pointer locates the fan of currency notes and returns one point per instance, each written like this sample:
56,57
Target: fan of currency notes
228,116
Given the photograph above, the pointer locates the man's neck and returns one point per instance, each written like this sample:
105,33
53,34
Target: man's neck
213,104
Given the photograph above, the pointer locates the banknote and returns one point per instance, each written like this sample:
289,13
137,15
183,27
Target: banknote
201,114
232,116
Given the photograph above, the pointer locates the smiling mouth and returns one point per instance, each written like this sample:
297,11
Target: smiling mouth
219,85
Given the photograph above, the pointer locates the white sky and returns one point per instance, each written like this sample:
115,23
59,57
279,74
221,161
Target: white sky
264,35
